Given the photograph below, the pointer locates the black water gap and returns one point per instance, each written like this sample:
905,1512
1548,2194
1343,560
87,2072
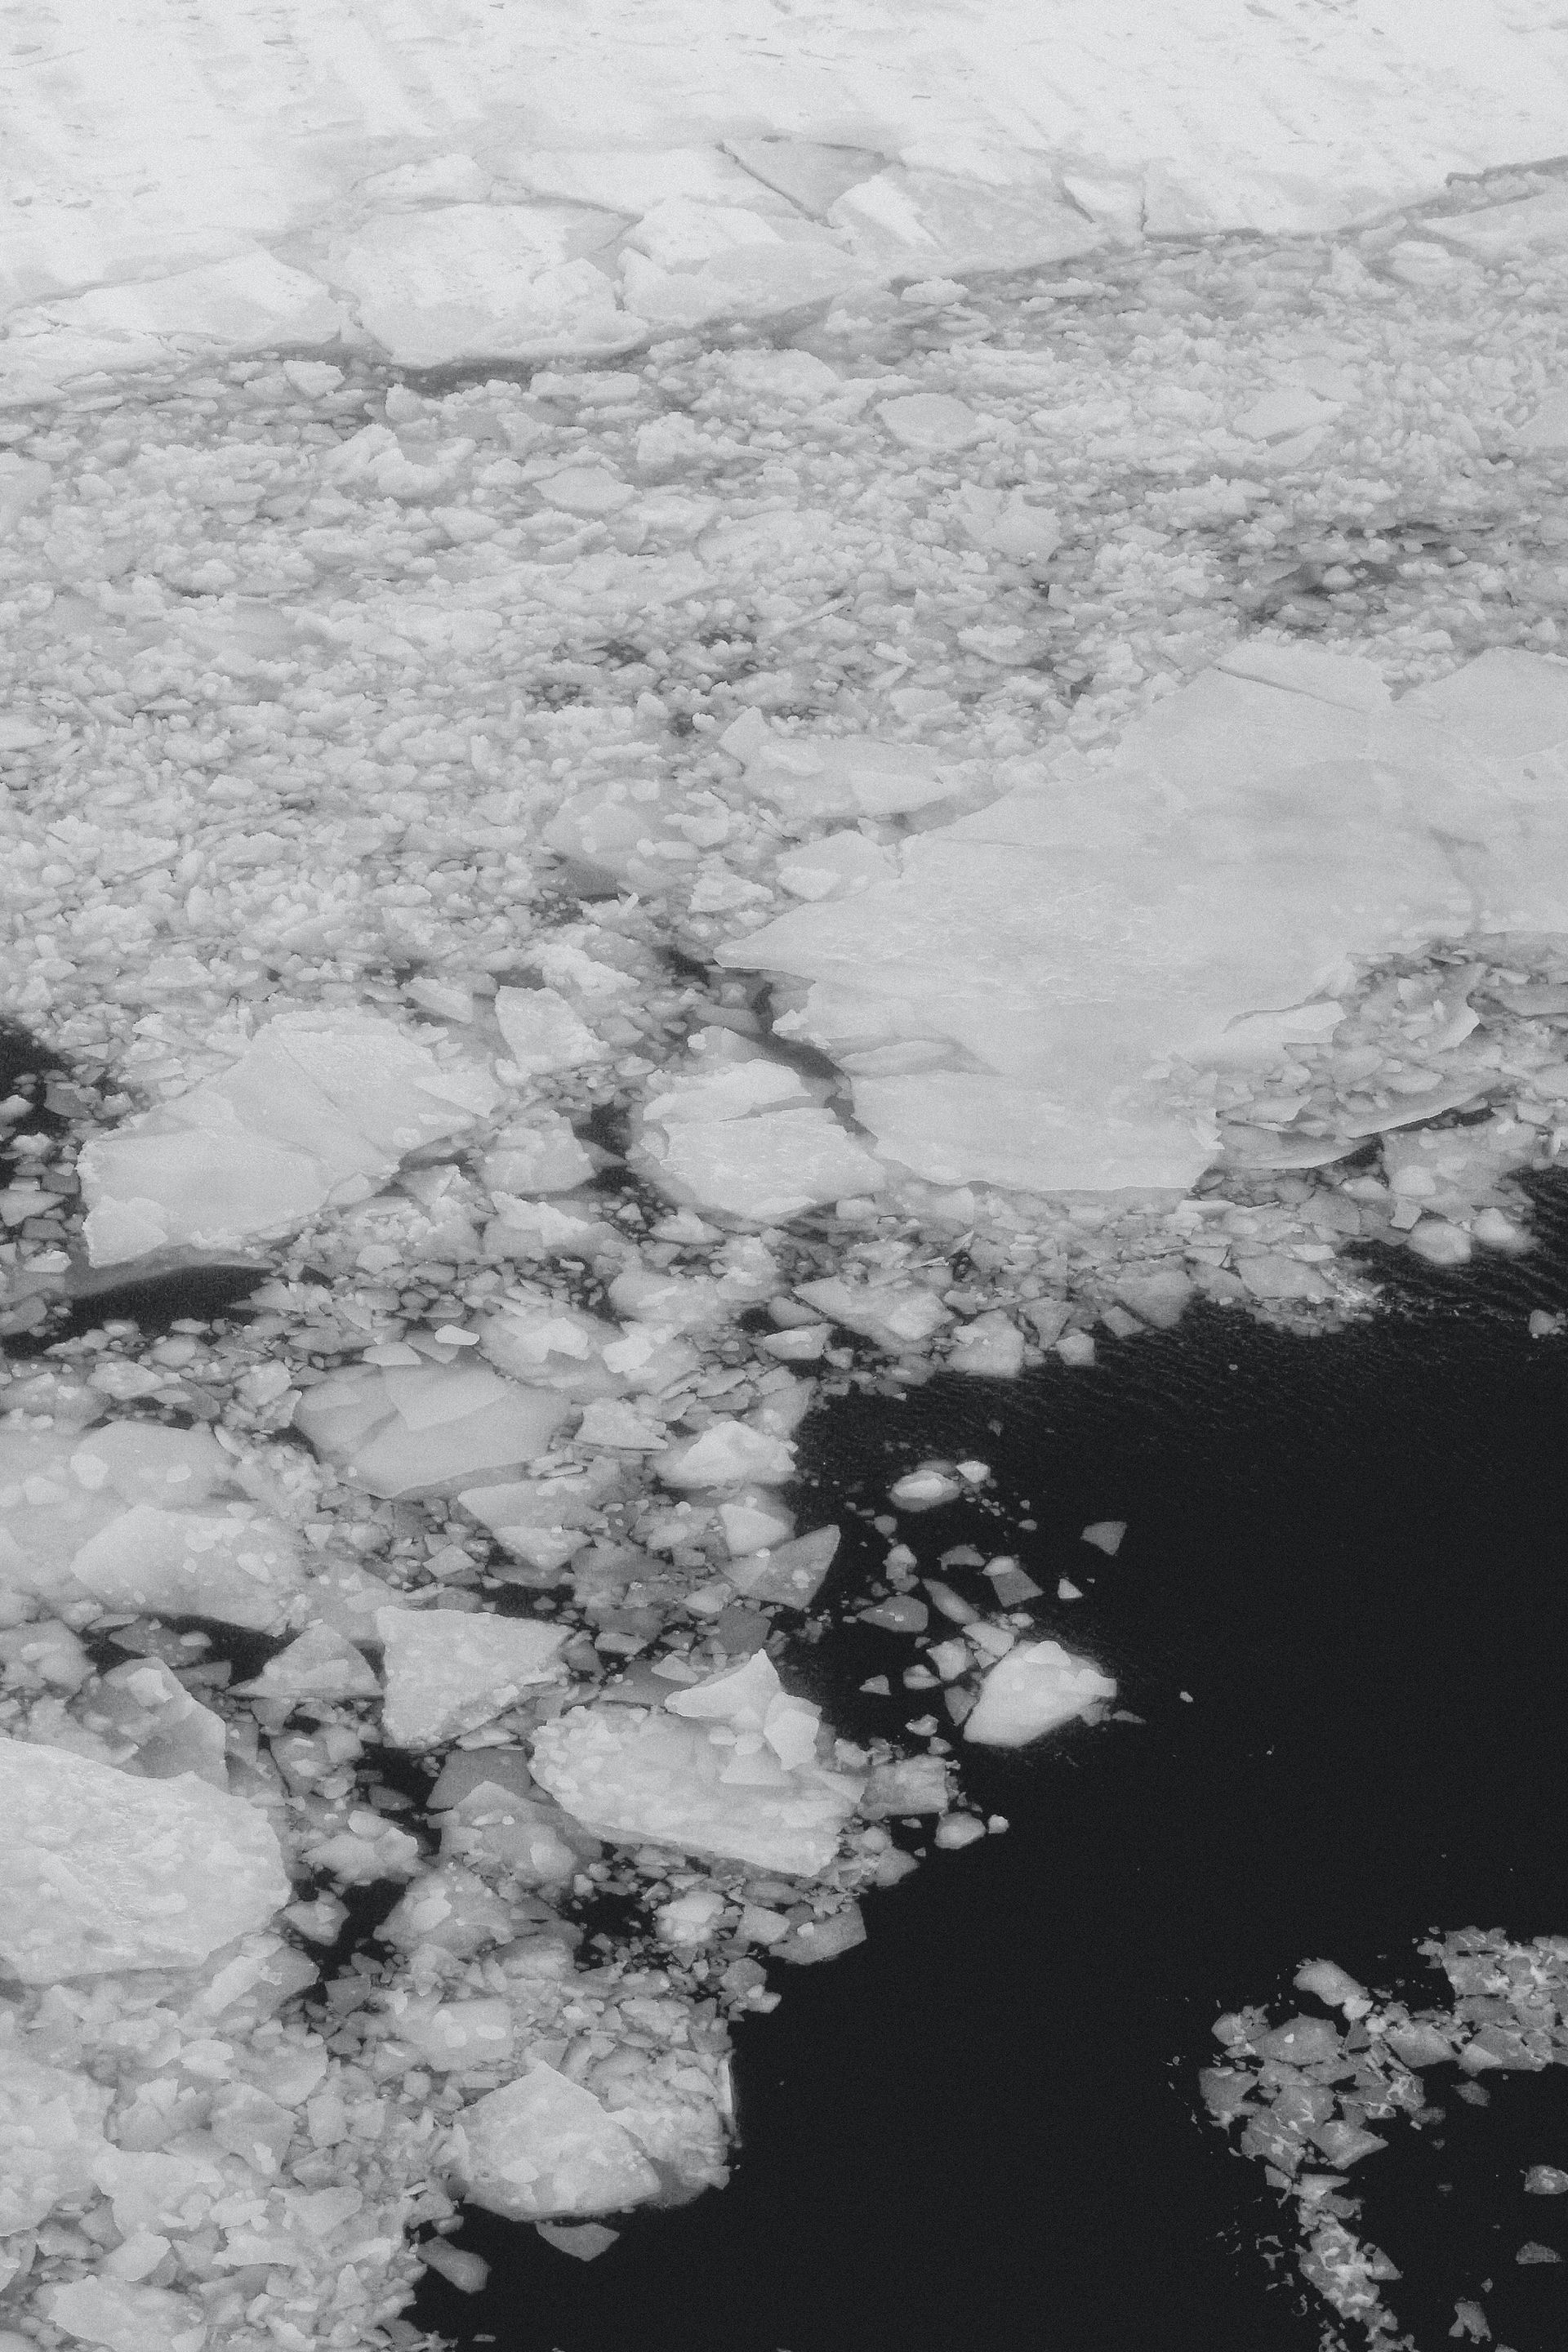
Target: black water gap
978,2129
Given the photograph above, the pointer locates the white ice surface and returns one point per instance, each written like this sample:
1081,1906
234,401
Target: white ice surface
543,2145
1054,953
449,1670
456,180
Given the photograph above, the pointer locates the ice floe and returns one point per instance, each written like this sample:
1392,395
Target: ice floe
427,1429
1033,1689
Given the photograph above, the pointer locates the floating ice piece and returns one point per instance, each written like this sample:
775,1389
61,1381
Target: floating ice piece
1035,1686
1334,1986
249,302
449,1670
989,1347
610,1422
1106,1536
837,866
315,1103
543,1032
747,1138
791,1572
51,2136
401,1431
1285,412
924,1489
819,776
712,261
147,1703
539,1154
943,209
1160,1299
322,1664
448,2035
124,2316
584,2241
631,1777
239,1570
896,1314
103,1870
543,2146
484,281
730,1454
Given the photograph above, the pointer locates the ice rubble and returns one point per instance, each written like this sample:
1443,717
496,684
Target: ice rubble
1074,957
317,1109
106,1872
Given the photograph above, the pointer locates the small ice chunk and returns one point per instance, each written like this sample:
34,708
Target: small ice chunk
540,1154
449,1670
1106,1536
730,1454
584,2241
313,1102
123,2316
1334,1986
322,1664
792,1572
432,1430
543,2146
51,2134
924,1489
1036,1686
543,1032
1546,2181
930,421
634,1777
242,1571
104,1871
837,866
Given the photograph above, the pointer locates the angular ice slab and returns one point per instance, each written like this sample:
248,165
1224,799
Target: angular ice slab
1050,957
726,1768
449,1670
241,1571
543,2146
104,1872
429,1429
317,1107
1036,1686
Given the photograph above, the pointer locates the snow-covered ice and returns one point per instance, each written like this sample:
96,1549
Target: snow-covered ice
426,1429
104,1871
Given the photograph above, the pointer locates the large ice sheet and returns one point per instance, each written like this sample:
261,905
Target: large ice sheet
1048,957
316,1108
104,1872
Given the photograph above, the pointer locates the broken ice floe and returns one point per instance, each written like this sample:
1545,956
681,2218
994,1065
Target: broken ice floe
104,1871
317,1109
1030,1691
750,1137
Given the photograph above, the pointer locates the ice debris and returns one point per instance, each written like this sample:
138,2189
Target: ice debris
751,1137
448,1671
316,1108
105,1870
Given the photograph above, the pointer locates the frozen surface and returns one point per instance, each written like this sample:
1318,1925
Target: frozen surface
728,1768
242,1570
1072,957
315,1109
484,183
103,1870
448,1671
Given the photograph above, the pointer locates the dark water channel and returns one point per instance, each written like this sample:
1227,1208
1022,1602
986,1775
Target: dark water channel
978,2129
